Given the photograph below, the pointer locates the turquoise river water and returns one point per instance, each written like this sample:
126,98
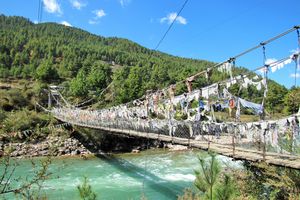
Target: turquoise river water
157,174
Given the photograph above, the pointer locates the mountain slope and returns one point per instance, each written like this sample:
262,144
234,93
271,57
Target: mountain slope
87,63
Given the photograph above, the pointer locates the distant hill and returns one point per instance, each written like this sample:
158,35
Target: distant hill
85,62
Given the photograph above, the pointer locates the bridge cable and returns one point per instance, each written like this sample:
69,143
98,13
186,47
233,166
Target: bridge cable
265,71
155,49
40,11
166,33
169,28
91,99
261,44
296,59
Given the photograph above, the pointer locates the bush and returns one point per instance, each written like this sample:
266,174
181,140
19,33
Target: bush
2,116
23,120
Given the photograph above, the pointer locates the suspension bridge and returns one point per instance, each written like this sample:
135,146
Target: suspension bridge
154,116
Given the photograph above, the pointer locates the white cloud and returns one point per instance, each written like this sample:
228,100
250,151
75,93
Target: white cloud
270,61
77,4
65,23
171,17
124,2
35,21
297,75
99,13
274,65
52,6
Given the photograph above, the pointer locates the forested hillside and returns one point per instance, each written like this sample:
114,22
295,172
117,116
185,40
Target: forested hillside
55,53
86,64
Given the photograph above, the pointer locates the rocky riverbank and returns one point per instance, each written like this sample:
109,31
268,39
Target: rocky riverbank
52,145
77,145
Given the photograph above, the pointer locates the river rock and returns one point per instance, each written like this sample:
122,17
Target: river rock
173,147
58,145
135,151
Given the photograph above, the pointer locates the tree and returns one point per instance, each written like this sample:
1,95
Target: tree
209,179
133,84
46,72
275,97
292,100
208,174
119,90
99,77
79,85
85,191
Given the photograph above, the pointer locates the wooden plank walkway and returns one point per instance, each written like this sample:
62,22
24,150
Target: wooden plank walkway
284,160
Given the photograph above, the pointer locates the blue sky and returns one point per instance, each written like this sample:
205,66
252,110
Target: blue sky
212,30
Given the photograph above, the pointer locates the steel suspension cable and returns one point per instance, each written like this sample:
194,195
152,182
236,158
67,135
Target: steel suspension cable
167,31
155,49
267,41
40,10
91,99
231,59
297,58
169,28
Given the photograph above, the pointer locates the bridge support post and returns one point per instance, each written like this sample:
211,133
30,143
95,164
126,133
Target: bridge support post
172,139
264,146
191,133
49,100
158,138
233,140
201,132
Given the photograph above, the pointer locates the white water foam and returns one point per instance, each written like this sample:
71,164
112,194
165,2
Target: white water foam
180,177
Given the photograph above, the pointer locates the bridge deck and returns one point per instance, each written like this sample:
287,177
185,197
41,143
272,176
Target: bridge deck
278,159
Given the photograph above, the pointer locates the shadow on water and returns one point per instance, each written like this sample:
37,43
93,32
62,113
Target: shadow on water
151,180
101,139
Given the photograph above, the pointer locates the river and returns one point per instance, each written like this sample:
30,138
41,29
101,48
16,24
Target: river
158,174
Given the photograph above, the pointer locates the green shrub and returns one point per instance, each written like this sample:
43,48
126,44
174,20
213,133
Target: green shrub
23,120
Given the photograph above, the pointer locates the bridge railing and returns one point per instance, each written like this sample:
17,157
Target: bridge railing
272,136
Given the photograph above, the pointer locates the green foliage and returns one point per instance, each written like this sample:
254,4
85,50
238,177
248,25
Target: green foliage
209,180
79,85
207,175
46,72
2,116
4,72
23,120
263,181
12,99
86,64
292,100
54,53
226,189
275,98
99,77
85,191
